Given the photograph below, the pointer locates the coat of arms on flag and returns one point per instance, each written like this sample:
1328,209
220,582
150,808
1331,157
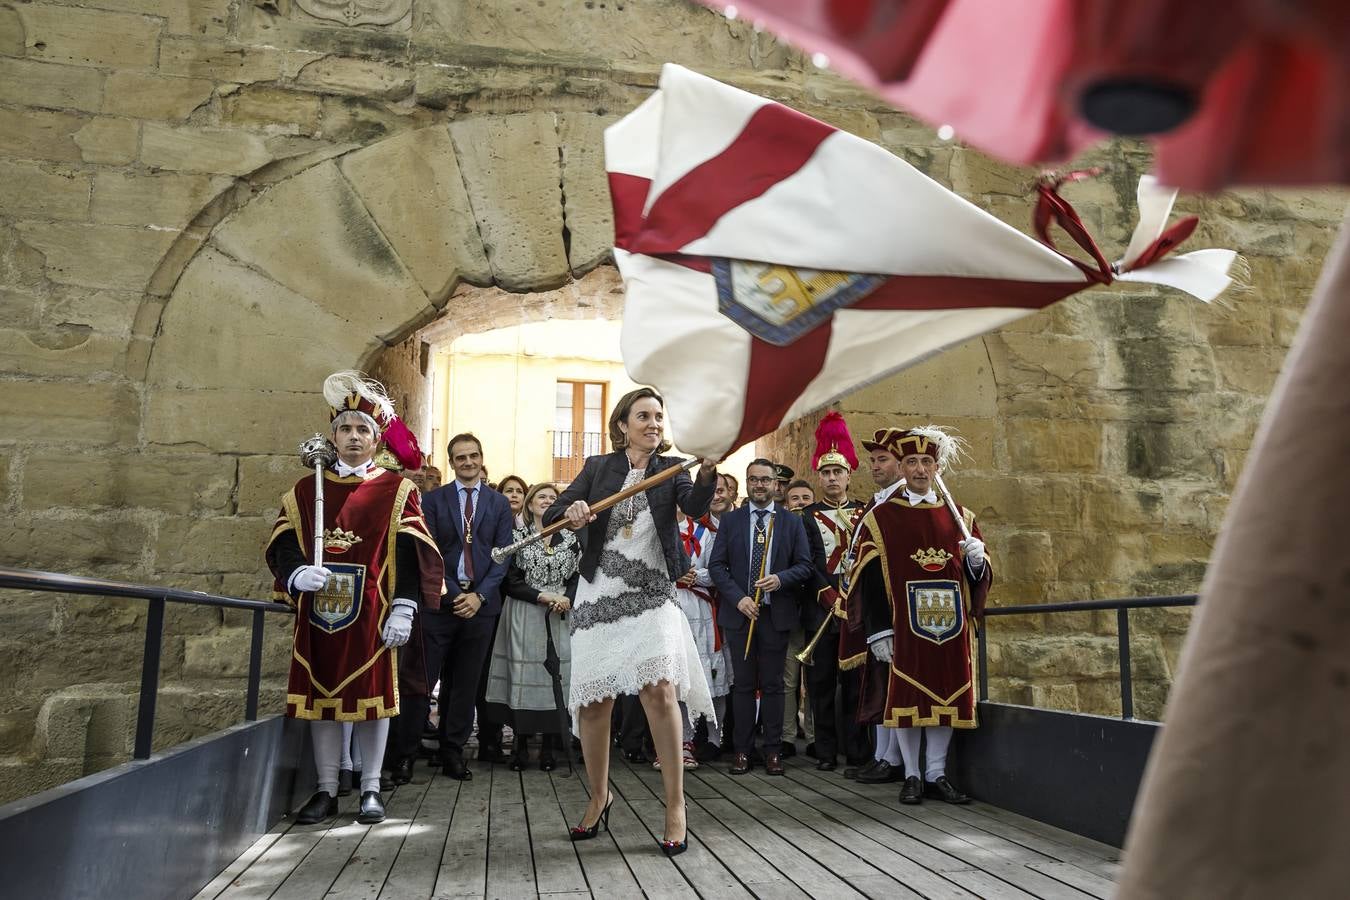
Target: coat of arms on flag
788,263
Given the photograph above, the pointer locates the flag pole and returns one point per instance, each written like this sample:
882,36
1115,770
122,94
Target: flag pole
501,553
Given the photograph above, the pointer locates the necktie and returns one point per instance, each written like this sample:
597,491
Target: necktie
468,533
757,551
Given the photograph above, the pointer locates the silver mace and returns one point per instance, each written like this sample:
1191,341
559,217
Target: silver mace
318,453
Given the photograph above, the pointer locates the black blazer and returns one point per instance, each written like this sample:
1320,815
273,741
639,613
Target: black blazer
602,476
789,559
812,612
492,523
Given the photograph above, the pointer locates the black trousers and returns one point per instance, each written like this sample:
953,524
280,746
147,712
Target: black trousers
763,670
489,728
822,680
455,650
859,740
634,734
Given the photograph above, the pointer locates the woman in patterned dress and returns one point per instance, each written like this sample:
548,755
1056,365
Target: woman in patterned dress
629,635
540,583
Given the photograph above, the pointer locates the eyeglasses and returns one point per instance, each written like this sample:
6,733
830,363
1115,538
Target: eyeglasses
766,480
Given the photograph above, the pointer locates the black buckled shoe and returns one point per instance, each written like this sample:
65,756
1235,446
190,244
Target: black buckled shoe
946,791
453,766
322,805
401,773
372,808
912,793
852,772
882,773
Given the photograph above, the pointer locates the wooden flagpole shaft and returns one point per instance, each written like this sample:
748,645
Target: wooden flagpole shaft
960,519
501,553
759,591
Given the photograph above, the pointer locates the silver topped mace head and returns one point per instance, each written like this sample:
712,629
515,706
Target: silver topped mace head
318,451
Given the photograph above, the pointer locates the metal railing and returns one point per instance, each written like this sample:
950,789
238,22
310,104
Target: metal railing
570,449
157,597
1122,608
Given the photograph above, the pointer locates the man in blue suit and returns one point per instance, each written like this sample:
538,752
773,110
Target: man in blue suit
759,564
467,519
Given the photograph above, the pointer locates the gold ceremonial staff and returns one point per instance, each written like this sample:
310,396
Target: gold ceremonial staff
501,553
759,591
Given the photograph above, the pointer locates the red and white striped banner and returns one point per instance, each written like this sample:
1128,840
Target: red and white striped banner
773,263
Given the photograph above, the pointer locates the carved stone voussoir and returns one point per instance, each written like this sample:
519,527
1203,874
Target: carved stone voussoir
358,12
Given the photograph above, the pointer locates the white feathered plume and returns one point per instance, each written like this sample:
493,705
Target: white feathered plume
341,385
951,447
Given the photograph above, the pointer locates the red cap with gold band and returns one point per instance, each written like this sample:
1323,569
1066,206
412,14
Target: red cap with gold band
929,439
352,391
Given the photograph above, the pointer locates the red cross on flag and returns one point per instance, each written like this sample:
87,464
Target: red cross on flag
773,263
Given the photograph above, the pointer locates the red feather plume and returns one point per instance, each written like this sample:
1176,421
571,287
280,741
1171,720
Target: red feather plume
832,434
403,444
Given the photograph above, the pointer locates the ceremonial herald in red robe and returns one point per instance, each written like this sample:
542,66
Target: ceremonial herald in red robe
340,668
908,575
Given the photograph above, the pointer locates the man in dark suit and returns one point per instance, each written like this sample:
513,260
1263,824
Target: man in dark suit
761,557
467,519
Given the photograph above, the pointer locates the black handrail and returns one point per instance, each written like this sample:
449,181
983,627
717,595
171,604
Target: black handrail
32,580
1122,608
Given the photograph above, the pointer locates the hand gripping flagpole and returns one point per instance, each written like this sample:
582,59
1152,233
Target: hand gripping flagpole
956,514
318,453
501,553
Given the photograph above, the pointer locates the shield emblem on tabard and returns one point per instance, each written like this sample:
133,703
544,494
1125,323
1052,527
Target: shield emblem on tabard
936,611
337,604
779,304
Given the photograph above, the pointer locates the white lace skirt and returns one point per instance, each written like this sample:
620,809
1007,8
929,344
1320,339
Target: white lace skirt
628,630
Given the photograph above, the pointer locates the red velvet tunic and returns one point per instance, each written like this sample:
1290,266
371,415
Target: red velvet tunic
908,575
340,668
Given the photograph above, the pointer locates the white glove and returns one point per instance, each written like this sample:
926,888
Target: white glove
309,578
882,649
398,627
973,548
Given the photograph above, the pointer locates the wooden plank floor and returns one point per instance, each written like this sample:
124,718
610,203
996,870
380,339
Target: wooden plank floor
809,834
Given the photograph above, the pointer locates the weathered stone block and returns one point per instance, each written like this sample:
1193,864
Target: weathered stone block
176,483
141,95
207,546
32,189
71,545
1023,557
223,655
98,256
258,106
587,208
262,481
28,83
1060,658
11,32
39,134
518,207
108,141
958,382
1053,445
1055,696
69,412
358,77
24,777
1027,359
1158,365
270,329
220,60
1252,370
186,149
107,312
312,234
231,421
165,199
413,187
975,175
89,37
60,351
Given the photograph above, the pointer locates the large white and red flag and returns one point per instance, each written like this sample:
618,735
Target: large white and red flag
773,263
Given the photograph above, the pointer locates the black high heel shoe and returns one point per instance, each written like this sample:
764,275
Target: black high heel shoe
582,833
675,848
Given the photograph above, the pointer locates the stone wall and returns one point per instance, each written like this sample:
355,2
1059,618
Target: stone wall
207,205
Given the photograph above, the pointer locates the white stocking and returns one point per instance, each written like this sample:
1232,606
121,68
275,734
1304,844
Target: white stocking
327,740
347,746
909,749
891,754
370,740
939,739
